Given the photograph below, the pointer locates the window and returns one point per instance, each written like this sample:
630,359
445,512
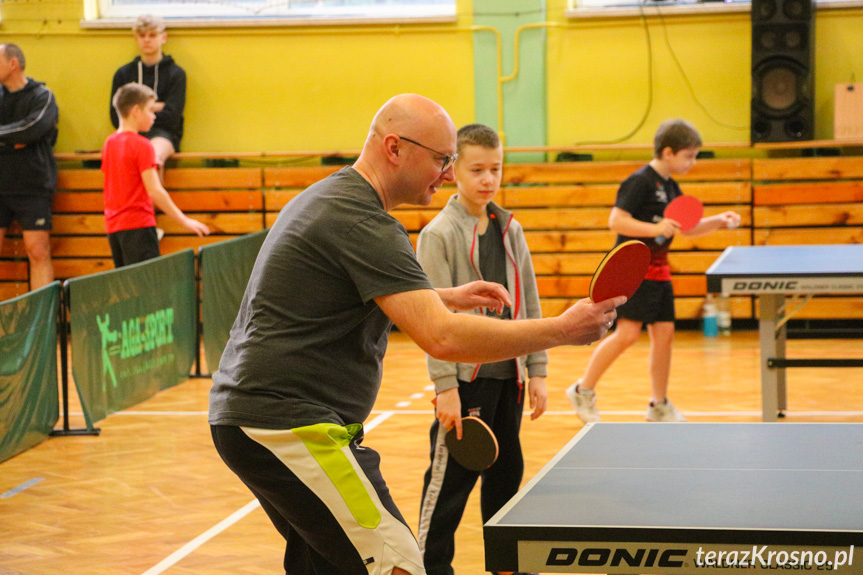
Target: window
279,11
687,6
591,4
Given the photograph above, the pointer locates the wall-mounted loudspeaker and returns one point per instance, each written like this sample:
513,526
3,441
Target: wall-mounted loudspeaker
783,69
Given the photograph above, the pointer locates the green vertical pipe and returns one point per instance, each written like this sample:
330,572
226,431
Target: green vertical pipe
524,97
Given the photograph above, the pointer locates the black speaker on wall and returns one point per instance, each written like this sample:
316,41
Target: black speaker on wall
783,70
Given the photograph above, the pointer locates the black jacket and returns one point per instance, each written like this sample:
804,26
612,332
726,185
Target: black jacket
28,132
168,80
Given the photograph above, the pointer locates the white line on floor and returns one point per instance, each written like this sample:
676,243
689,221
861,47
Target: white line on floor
18,489
202,538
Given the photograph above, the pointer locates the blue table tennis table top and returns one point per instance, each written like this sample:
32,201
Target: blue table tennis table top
672,489
808,268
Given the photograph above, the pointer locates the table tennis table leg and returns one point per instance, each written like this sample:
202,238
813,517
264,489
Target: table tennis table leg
773,392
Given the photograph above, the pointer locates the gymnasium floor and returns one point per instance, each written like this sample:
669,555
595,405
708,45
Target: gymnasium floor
150,495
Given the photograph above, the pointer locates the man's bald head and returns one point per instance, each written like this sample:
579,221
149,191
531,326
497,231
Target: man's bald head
401,171
12,65
10,51
410,114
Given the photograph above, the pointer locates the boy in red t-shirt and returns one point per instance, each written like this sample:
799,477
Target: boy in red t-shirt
132,182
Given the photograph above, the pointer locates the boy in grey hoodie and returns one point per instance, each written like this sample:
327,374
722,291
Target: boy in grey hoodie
473,238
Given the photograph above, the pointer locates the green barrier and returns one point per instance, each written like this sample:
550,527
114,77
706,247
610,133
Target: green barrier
133,332
29,401
225,269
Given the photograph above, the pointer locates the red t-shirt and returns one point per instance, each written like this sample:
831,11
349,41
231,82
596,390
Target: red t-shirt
127,205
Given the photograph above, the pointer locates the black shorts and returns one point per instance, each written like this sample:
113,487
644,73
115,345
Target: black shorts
133,246
32,210
652,302
160,133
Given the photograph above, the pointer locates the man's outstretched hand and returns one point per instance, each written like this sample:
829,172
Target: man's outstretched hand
476,294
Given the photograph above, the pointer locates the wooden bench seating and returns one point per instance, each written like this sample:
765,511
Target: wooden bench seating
230,201
564,208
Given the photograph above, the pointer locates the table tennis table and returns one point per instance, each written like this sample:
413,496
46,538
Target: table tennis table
690,498
773,272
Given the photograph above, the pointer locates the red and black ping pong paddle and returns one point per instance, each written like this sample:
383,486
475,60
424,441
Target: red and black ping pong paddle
477,448
620,272
686,211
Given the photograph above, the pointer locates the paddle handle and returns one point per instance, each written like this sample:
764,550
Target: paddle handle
660,240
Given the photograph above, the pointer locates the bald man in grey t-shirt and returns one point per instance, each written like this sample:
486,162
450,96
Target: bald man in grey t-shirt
303,365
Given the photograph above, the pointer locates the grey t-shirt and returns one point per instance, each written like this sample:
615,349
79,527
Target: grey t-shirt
308,343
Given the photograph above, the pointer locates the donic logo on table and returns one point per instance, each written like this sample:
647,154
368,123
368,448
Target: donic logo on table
136,336
684,558
762,285
610,557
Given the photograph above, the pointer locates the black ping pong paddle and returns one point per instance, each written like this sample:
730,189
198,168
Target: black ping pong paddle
477,449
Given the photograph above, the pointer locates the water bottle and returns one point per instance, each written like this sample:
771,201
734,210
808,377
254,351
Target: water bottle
723,315
711,329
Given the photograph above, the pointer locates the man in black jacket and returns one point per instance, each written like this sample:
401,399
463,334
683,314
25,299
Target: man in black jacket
28,172
158,71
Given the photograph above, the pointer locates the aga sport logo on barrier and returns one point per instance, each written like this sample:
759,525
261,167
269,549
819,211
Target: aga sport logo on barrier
138,335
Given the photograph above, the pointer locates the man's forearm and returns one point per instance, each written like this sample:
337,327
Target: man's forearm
469,338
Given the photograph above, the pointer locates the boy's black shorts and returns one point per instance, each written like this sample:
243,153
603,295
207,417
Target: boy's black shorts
652,302
32,210
158,132
133,246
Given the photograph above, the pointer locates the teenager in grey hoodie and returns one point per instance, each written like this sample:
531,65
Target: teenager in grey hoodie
475,239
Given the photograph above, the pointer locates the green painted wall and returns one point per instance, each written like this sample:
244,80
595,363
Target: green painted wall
524,96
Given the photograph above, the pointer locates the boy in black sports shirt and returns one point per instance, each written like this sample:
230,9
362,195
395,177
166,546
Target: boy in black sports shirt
638,214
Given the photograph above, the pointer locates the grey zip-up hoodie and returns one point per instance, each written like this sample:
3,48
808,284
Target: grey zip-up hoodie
448,250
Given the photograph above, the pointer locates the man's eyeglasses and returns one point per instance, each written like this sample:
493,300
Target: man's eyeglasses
448,161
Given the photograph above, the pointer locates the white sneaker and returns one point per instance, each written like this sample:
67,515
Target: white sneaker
584,402
664,412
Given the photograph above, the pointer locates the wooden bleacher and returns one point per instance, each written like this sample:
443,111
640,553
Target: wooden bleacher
563,207
230,201
810,201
